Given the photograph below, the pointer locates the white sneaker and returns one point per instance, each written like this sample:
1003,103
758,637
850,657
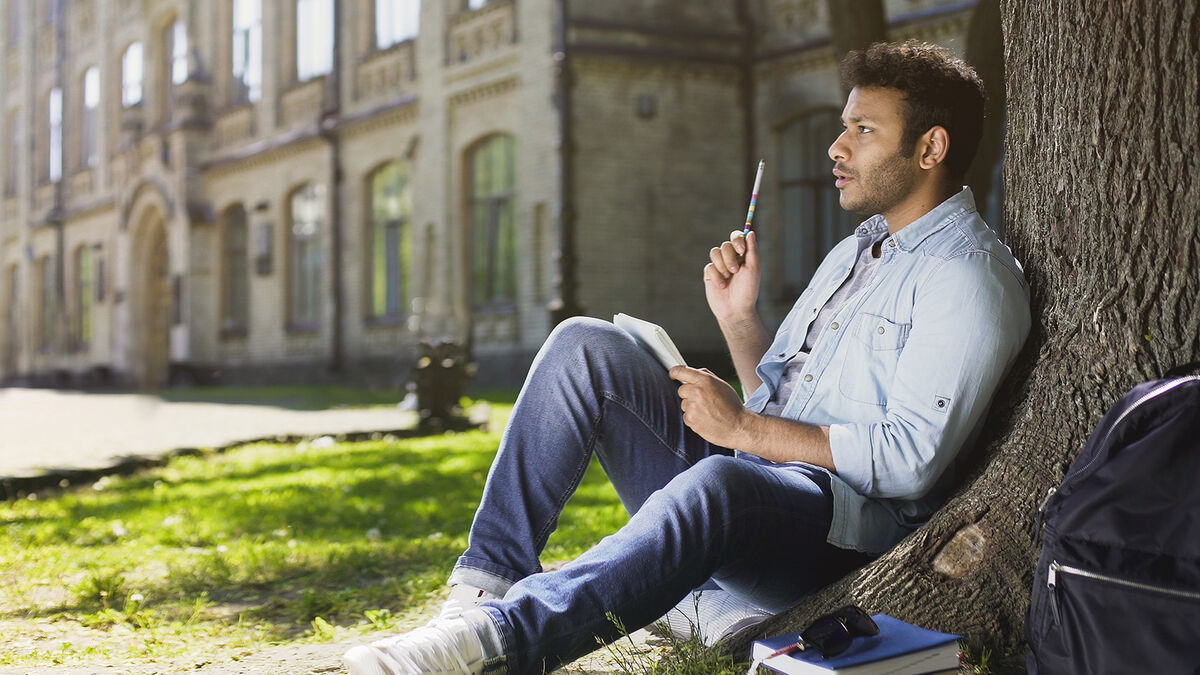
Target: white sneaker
440,648
463,597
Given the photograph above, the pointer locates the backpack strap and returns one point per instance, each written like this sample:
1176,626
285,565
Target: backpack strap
1183,370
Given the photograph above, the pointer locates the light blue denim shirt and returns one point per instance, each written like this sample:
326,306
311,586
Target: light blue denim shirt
904,373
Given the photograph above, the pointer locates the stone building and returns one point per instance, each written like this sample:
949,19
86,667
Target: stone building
236,190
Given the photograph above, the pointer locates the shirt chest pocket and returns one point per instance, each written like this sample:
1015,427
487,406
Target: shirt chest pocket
870,359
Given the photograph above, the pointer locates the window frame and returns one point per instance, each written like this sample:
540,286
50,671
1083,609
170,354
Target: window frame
133,54
235,273
246,74
390,29
305,253
395,272
495,204
807,237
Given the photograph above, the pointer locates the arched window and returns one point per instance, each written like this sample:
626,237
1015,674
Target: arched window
131,75
307,213
491,190
235,273
389,238
85,288
812,219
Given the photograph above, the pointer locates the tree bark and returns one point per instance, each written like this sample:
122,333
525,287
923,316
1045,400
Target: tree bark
1103,197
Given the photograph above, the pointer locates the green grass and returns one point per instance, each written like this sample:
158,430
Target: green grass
221,554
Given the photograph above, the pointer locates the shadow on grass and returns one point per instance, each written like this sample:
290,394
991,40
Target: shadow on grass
282,535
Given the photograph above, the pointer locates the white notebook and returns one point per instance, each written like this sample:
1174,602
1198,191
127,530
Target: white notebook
652,338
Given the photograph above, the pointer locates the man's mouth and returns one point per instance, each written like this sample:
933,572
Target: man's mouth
841,177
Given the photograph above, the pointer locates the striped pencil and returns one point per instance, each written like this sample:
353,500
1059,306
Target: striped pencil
754,197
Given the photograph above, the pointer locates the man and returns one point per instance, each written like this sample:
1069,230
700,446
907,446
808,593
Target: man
879,375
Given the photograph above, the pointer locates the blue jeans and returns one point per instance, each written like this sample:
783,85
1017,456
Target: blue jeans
755,528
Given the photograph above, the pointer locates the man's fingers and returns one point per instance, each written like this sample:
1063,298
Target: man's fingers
738,239
751,257
731,257
683,374
718,262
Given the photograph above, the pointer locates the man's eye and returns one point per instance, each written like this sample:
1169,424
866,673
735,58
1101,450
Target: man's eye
864,130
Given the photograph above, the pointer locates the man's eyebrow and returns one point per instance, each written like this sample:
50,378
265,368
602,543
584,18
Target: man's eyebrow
855,119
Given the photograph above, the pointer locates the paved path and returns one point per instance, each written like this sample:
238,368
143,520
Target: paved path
54,432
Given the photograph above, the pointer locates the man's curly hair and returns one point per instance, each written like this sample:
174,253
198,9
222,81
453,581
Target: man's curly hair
939,88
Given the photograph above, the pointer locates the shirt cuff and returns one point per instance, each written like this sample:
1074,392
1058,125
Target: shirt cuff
851,458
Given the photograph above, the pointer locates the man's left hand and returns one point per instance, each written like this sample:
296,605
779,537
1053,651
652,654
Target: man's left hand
711,407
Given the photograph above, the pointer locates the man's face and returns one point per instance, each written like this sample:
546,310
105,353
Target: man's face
872,173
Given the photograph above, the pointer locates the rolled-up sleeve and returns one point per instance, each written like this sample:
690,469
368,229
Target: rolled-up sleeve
970,318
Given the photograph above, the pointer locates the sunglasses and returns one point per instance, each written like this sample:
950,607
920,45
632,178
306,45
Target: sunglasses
833,633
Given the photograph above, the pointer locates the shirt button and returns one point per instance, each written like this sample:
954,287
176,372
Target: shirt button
808,378
881,330
892,243
834,325
814,310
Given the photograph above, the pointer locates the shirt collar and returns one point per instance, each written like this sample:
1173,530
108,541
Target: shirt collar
911,235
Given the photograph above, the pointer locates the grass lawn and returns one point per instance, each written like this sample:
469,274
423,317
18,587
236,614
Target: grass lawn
215,555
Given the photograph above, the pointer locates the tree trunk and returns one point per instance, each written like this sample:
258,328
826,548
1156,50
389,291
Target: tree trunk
1103,199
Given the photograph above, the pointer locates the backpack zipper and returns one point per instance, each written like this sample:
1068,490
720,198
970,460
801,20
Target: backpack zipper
1057,567
1169,385
1040,522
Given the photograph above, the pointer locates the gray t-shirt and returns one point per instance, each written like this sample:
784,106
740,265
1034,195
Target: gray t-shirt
860,276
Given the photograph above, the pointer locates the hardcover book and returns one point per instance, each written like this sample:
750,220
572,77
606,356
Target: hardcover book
899,649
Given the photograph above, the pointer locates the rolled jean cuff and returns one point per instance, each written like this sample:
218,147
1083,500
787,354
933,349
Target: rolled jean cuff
484,575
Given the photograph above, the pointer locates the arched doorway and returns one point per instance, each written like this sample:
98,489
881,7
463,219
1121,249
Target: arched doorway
150,293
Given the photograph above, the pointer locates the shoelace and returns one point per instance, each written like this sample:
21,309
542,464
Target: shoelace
424,649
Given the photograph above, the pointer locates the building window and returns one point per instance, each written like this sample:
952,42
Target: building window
247,51
235,276
54,161
131,75
390,240
476,4
491,186
88,120
11,167
174,63
304,288
812,219
47,305
314,38
396,21
85,289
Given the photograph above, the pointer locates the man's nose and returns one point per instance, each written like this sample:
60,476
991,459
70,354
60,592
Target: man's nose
837,151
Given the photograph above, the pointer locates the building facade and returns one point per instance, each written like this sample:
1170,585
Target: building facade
236,190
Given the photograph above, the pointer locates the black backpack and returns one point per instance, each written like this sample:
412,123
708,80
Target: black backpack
1117,585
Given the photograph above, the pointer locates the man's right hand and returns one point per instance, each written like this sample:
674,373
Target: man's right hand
731,279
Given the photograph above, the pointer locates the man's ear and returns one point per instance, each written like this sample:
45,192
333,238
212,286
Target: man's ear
933,146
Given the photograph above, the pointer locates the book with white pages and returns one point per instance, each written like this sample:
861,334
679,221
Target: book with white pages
652,338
